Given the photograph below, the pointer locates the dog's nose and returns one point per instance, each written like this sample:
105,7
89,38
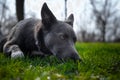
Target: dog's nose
75,57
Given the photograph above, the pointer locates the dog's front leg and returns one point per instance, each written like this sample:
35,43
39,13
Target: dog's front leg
12,50
37,53
16,52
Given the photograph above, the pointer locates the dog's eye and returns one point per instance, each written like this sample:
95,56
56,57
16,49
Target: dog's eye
62,36
74,39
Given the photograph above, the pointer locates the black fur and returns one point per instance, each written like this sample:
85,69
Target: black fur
2,42
48,36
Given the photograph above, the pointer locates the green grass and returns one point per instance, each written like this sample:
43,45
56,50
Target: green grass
101,61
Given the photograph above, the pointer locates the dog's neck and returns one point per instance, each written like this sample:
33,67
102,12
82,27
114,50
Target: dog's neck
39,39
37,44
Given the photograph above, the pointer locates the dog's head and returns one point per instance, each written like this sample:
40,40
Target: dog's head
59,36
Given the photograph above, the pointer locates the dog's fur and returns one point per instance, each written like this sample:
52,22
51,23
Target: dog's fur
48,36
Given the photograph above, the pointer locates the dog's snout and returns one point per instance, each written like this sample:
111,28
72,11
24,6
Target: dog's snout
75,56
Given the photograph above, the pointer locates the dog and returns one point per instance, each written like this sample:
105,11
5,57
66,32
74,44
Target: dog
48,36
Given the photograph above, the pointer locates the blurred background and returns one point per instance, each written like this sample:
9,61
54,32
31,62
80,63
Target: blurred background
95,20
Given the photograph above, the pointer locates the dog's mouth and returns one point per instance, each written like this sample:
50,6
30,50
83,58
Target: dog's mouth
68,59
64,58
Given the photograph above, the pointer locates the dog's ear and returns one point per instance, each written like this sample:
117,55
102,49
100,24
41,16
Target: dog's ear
70,20
47,16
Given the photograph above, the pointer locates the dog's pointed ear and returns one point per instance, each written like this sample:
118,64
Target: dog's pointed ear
70,20
47,16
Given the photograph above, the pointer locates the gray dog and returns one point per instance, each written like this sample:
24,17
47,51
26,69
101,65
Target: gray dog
48,36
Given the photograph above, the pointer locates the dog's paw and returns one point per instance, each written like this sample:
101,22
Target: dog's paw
17,54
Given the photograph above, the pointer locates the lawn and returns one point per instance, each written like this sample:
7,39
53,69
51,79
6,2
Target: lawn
101,61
